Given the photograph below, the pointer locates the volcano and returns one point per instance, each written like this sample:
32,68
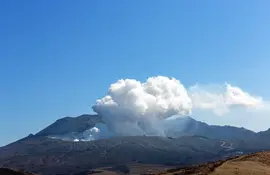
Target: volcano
188,142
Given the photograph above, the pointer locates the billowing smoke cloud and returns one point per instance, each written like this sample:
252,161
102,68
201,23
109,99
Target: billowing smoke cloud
135,108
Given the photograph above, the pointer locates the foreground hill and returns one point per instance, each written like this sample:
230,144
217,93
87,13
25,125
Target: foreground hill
255,164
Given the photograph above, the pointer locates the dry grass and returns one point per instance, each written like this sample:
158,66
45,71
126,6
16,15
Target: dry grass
252,164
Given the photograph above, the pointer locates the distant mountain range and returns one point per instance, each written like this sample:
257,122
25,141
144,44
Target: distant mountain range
188,142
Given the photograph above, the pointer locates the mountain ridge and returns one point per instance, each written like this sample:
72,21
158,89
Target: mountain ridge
70,124
180,126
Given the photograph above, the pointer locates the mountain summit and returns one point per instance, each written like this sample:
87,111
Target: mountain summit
71,124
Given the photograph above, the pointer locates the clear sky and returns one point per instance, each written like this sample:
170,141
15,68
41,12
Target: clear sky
58,57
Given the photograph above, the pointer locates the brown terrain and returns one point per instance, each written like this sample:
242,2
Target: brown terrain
251,164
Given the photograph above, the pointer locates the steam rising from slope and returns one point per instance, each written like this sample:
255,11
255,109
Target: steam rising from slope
87,135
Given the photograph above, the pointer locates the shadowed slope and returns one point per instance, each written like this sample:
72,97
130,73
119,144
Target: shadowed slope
6,171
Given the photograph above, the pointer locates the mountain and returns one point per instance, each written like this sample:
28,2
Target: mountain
265,134
43,155
71,124
189,126
178,127
189,142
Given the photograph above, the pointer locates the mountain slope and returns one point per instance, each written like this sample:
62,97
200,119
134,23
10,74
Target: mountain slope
71,124
189,126
50,156
265,134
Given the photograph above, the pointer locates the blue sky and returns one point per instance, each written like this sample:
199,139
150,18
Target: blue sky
58,57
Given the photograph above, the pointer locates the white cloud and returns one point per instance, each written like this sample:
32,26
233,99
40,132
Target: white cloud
229,105
236,96
221,99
